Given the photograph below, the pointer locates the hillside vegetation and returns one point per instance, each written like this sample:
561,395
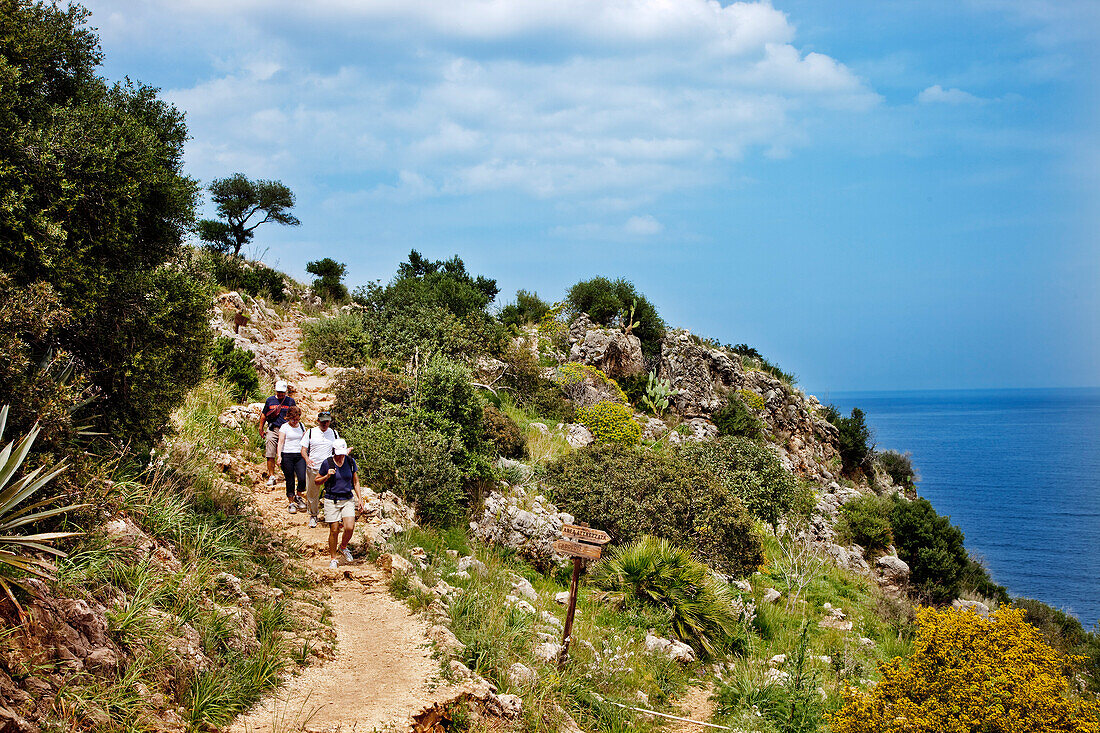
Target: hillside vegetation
765,558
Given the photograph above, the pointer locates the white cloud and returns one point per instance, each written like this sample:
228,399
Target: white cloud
621,100
936,94
644,225
634,228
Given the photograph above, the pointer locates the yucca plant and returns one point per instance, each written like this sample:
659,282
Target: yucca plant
16,549
653,572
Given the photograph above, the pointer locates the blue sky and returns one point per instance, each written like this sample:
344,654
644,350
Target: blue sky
878,195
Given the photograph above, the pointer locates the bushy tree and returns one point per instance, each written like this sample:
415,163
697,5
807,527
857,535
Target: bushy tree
329,283
360,393
432,307
238,201
931,546
342,340
735,419
612,302
235,366
856,448
528,308
865,521
629,492
750,472
969,673
96,204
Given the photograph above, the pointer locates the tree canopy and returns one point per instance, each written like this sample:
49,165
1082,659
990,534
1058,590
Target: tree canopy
239,200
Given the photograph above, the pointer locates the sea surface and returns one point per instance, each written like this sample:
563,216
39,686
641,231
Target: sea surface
1017,470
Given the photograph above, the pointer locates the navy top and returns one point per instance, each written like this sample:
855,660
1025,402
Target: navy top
275,411
339,485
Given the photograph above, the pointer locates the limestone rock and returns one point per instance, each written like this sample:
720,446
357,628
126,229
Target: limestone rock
975,606
548,651
615,353
578,436
523,587
697,373
676,650
393,563
520,674
445,640
505,706
771,595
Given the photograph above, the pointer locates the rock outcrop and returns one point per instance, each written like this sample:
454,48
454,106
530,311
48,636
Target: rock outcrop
615,353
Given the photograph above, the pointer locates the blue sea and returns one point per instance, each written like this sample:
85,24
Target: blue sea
1017,470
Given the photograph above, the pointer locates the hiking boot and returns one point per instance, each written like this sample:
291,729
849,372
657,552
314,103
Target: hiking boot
332,564
347,554
312,522
300,502
292,508
270,480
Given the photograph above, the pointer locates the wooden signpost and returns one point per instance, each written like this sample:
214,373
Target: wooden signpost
581,543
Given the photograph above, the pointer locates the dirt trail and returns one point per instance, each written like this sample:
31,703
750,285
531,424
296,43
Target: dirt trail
382,673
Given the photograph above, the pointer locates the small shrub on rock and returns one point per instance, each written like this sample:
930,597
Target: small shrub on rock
752,400
254,278
899,466
587,385
235,366
855,439
610,422
735,419
500,430
865,521
359,394
608,302
750,472
629,493
653,573
341,341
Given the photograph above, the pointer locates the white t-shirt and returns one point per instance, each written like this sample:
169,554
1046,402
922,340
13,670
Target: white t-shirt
319,444
292,443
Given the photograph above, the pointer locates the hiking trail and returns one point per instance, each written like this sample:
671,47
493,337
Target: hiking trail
382,675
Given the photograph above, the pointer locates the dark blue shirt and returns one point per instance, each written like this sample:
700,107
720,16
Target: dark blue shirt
276,417
339,485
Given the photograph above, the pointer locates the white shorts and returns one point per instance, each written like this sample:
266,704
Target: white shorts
340,509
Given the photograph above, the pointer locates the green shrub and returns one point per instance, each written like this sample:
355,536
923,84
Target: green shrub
500,430
408,454
341,340
330,275
634,387
737,420
855,447
750,472
975,578
445,390
629,493
932,547
235,366
528,308
610,422
433,308
865,521
1062,631
359,394
652,572
254,278
610,302
899,466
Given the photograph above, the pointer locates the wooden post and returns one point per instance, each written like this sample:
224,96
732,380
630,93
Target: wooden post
567,633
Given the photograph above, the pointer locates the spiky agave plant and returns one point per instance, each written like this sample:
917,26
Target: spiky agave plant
653,572
16,549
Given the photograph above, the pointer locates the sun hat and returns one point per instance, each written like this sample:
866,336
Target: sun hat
324,415
280,386
340,447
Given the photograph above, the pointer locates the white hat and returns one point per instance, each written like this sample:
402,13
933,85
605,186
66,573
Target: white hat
340,447
280,386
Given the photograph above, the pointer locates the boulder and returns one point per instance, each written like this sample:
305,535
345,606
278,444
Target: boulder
677,651
524,588
505,706
519,675
771,595
445,641
700,375
548,651
578,436
615,353
976,606
392,563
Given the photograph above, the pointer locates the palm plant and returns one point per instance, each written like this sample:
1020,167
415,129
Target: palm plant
16,549
653,572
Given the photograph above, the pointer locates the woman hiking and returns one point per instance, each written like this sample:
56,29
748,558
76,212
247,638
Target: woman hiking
340,477
293,465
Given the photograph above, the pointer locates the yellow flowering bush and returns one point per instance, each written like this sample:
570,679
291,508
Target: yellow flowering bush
573,377
610,422
972,674
754,401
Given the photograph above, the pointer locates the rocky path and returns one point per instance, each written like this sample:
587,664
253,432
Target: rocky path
382,675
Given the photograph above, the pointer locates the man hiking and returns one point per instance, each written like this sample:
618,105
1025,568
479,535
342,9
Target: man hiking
316,447
272,418
340,477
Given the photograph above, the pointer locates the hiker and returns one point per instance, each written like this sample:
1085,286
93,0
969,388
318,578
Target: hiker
294,465
340,477
273,417
316,447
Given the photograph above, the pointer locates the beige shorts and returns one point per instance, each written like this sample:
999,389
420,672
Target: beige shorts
271,444
340,509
